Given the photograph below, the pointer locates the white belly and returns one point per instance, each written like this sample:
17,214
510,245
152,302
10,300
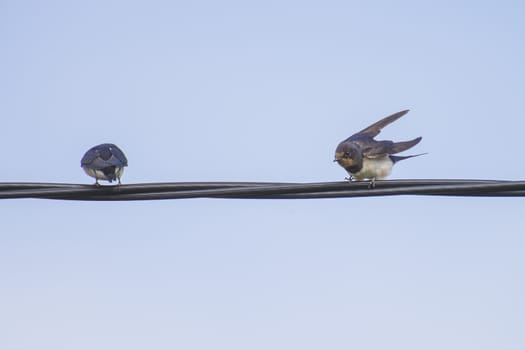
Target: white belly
374,168
99,174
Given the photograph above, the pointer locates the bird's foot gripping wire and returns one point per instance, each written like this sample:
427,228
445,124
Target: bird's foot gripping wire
372,183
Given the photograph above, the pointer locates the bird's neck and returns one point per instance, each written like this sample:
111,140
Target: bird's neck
355,168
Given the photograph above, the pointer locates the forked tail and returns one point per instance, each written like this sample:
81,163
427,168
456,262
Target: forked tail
396,159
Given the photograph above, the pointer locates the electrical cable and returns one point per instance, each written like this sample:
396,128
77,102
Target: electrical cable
263,190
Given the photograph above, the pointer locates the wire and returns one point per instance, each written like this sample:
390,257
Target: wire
262,190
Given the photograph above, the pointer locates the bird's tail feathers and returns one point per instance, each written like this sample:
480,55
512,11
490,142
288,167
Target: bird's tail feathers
396,159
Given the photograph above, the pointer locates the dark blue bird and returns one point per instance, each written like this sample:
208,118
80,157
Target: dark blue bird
363,157
104,162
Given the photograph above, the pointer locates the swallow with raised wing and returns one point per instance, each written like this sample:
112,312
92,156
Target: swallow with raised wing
363,157
104,162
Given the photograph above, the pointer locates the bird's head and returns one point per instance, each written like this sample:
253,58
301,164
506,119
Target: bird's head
347,154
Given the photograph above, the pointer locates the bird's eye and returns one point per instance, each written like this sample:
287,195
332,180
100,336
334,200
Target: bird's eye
346,155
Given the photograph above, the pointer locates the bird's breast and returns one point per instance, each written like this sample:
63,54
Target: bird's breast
374,168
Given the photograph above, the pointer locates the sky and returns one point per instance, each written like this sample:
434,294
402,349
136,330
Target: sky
261,91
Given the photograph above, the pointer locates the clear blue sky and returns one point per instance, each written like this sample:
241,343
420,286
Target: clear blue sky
261,91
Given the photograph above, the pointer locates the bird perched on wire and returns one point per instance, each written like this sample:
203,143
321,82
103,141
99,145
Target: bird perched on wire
104,162
366,158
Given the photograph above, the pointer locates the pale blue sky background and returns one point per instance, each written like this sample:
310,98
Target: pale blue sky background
261,91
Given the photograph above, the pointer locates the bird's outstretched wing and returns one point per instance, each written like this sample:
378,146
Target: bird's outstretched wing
374,129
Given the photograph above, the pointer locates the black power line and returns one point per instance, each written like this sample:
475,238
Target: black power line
262,190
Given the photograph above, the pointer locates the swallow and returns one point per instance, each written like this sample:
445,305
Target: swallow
104,162
363,157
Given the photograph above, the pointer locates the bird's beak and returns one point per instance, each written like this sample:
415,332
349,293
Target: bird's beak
336,159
